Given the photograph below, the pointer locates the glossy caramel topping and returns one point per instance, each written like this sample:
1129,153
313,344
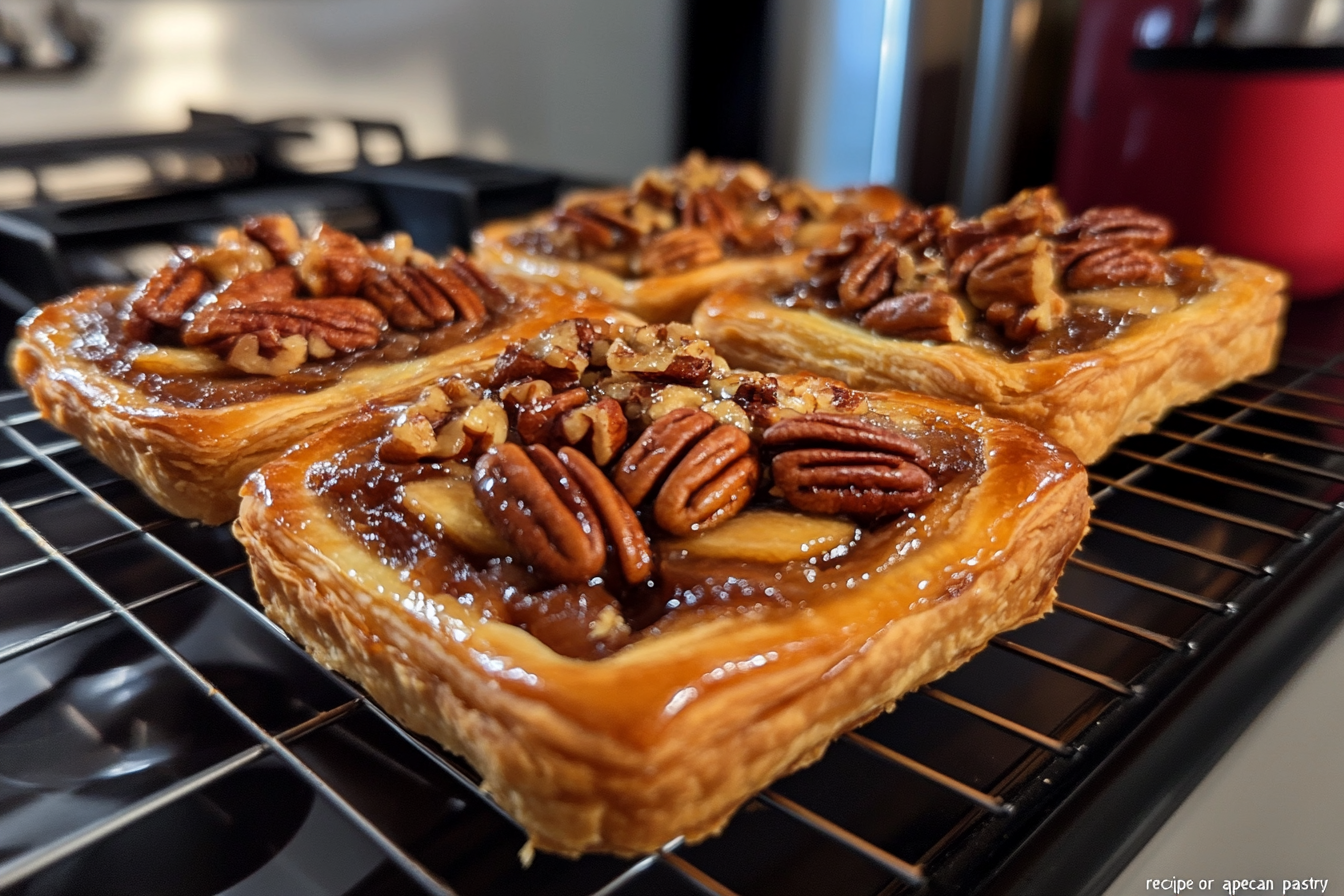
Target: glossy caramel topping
526,526
1023,278
689,216
265,302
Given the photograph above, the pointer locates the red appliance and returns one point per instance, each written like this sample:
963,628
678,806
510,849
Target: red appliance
1242,147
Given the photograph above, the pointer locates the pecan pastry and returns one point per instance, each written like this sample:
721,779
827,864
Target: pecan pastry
661,245
627,649
1089,328
231,353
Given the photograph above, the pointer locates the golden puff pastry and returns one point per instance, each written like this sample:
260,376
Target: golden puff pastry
230,354
633,587
1087,328
660,246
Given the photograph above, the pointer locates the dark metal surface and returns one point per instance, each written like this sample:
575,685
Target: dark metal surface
157,734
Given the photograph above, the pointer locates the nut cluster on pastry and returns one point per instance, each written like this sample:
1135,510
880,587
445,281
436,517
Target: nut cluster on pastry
927,274
591,437
676,219
266,300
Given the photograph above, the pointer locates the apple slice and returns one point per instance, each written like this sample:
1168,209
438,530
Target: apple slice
448,507
768,536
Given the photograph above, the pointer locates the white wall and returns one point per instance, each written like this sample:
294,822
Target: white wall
588,86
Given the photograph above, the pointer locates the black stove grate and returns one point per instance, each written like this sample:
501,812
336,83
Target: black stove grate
158,734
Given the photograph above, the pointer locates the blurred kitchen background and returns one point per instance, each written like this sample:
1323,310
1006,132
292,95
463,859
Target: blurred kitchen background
949,99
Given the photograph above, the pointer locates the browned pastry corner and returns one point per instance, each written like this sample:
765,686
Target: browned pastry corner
1089,328
660,246
633,586
229,354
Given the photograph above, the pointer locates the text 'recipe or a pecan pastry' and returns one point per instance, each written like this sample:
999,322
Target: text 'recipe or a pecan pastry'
266,300
1017,270
677,219
592,443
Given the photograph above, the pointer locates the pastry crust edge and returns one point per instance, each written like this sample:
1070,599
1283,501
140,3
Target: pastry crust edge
1087,401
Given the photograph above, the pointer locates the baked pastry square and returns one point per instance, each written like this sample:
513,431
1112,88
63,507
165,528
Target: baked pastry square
230,354
633,586
1089,328
660,246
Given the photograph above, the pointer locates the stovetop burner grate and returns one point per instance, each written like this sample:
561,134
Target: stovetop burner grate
158,734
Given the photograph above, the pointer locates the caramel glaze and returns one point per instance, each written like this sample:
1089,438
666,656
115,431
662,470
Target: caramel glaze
1082,329
364,494
101,339
678,666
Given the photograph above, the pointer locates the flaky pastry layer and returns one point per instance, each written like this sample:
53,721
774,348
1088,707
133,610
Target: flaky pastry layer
1085,400
667,297
671,734
191,460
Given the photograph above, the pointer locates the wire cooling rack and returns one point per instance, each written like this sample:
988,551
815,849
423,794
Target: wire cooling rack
158,734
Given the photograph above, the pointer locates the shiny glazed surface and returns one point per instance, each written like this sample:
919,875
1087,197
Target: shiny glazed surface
732,617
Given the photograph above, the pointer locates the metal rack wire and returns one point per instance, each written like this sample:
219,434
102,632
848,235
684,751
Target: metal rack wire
157,733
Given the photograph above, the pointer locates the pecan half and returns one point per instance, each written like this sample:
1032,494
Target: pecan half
918,315
1116,265
677,250
1120,225
833,463
625,536
422,297
867,275
708,471
529,495
167,295
264,305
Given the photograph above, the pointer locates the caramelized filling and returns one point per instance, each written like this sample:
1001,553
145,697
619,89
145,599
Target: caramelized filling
266,312
465,507
1023,279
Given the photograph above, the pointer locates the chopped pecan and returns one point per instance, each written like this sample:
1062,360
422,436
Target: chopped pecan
536,421
467,435
625,535
278,233
867,275
1116,265
708,471
595,227
167,295
677,250
599,428
918,315
1018,272
264,305
516,363
669,353
529,495
332,263
232,256
246,355
1037,211
834,463
711,210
